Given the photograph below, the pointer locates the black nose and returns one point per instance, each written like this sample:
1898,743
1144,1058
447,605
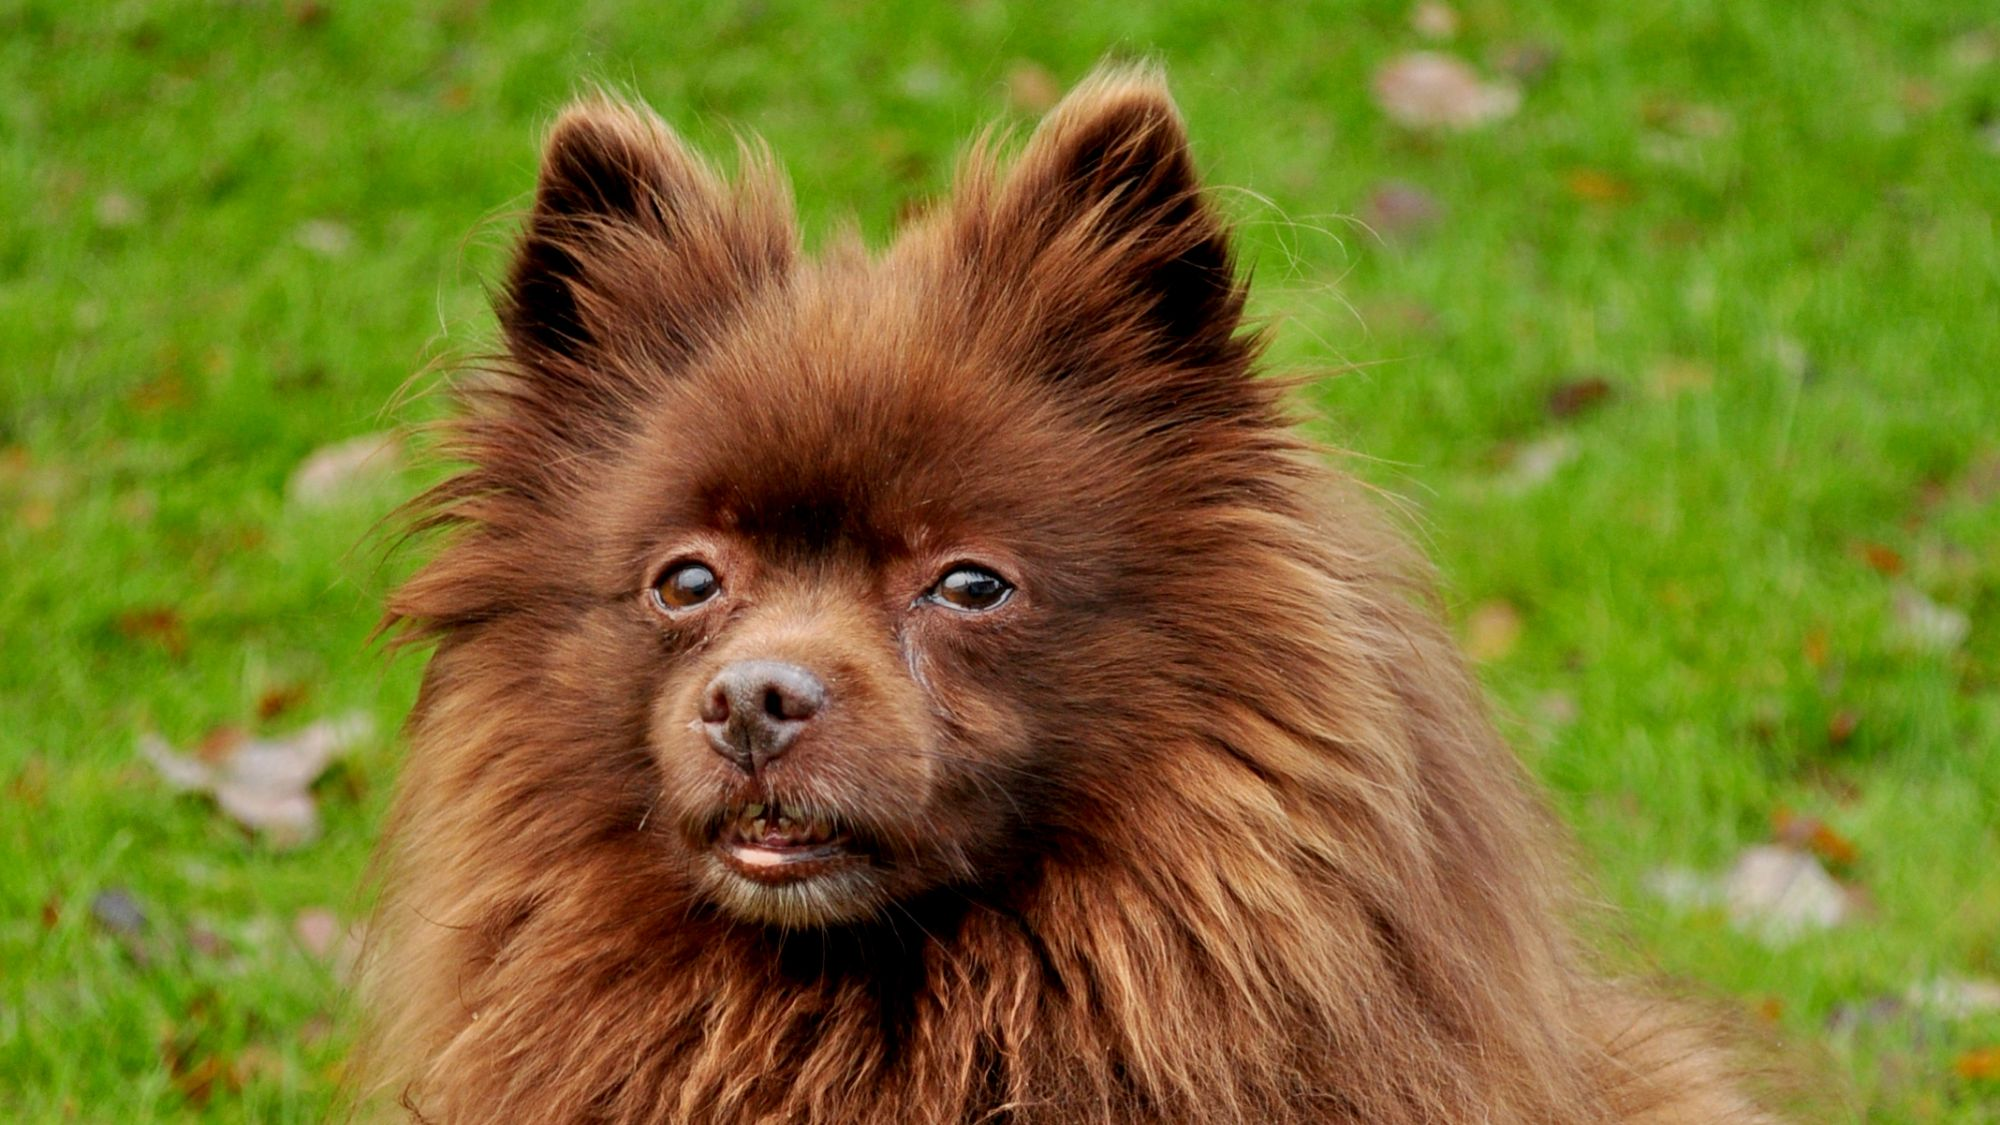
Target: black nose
754,709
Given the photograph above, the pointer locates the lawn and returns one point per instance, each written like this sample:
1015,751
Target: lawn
1687,371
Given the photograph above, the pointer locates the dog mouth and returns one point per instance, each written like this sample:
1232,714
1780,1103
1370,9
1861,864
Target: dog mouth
776,843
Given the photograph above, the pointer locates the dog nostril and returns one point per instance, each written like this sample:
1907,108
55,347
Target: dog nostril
715,706
774,704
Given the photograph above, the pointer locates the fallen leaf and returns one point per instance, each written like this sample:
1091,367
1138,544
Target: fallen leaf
317,929
1956,998
1779,894
1841,726
1434,20
1684,887
1980,1065
1771,1009
1920,623
1528,62
1813,835
1532,465
1429,90
1573,397
336,471
118,912
325,237
160,625
208,943
264,784
51,911
1814,648
1593,186
1492,630
1031,88
1399,209
1880,559
116,210
276,701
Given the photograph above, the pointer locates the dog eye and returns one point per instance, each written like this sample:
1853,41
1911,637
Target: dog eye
685,585
970,589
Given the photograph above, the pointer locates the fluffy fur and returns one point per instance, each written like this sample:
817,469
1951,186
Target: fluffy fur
1205,824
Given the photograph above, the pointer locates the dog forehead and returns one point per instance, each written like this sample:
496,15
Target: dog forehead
825,429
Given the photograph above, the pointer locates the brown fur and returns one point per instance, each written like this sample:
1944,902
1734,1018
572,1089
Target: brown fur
1206,825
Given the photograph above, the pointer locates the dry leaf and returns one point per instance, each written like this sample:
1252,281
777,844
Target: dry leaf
1779,894
1429,90
1031,88
1568,399
1841,726
1492,630
1956,998
325,237
1880,559
1398,209
317,930
264,784
1982,1064
1532,465
1434,20
1528,62
335,471
1813,835
278,700
1593,186
160,625
1920,623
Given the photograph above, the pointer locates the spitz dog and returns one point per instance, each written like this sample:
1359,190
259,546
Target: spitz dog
937,685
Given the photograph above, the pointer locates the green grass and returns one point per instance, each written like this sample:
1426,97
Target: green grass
1769,227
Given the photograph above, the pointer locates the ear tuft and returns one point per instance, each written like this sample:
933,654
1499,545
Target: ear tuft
624,212
1103,216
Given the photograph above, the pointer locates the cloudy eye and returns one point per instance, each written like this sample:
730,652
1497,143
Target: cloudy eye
685,585
970,589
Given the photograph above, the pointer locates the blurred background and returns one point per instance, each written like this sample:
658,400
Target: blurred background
1672,326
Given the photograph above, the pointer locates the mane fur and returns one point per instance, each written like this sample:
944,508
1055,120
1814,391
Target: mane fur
1328,897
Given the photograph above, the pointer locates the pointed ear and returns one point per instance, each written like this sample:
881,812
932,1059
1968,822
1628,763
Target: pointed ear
635,239
1103,219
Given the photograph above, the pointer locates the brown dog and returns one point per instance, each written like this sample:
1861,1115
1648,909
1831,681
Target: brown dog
940,687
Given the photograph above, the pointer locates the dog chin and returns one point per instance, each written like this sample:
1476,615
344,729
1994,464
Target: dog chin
840,893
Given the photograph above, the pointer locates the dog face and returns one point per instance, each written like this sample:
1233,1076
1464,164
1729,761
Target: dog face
878,574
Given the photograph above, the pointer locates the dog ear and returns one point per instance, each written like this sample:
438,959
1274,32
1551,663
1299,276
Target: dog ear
635,240
1103,220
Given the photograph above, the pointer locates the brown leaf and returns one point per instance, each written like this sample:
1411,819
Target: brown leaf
159,624
1981,1065
1841,726
1814,835
317,930
1399,209
1527,62
276,701
334,472
264,784
1492,630
1434,19
1429,90
1031,88
1815,648
1880,559
1594,186
51,911
1568,399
